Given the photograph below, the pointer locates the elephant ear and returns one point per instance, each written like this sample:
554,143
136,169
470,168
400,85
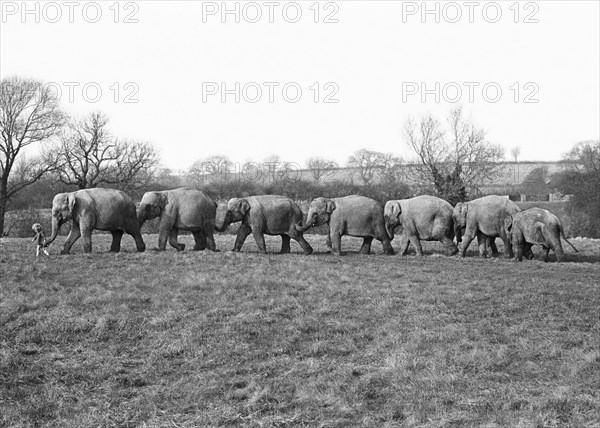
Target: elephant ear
397,209
330,206
163,200
244,206
71,200
462,209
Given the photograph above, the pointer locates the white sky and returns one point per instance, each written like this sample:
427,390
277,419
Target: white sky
370,54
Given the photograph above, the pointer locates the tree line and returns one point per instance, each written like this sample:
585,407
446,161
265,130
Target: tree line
451,159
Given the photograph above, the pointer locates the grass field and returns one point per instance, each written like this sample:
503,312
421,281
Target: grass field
223,339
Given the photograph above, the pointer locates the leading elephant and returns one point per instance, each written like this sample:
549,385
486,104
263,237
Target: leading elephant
352,215
101,209
180,209
483,218
423,218
265,215
536,226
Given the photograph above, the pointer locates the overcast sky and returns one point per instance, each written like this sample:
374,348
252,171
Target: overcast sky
373,57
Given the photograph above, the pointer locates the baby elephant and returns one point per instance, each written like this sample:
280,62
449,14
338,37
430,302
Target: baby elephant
352,215
535,226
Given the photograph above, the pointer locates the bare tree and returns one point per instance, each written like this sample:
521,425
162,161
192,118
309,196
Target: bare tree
276,170
29,114
271,166
209,169
515,153
165,178
88,156
584,157
393,178
320,167
367,162
392,168
455,167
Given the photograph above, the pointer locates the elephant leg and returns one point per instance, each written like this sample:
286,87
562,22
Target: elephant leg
86,233
259,237
382,236
515,248
366,245
449,245
417,244
386,243
133,229
163,236
328,244
210,240
200,241
405,244
336,242
482,242
242,234
508,250
299,237
304,244
387,247
173,240
139,241
466,241
494,248
558,250
527,251
285,244
518,250
74,235
115,247
545,252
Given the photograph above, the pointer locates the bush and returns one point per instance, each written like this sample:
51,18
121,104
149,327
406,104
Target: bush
584,206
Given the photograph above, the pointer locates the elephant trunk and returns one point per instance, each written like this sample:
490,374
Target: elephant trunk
458,232
55,227
141,217
390,229
226,223
301,228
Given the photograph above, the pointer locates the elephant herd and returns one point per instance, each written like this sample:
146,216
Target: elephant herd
423,218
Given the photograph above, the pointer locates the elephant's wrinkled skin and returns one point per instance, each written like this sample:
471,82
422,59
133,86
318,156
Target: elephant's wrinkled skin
483,218
180,209
352,215
265,215
424,218
101,209
535,226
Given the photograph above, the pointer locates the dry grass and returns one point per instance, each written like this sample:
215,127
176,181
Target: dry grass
204,339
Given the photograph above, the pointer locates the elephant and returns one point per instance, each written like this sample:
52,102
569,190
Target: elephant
351,215
267,214
535,226
101,209
484,218
423,218
180,209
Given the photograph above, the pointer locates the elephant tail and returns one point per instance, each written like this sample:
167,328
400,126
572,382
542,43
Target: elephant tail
562,233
